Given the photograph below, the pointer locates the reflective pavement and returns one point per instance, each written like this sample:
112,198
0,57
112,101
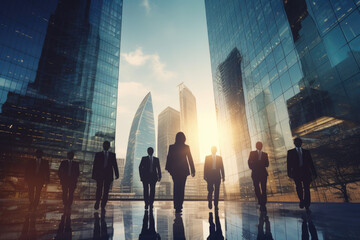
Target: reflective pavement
128,220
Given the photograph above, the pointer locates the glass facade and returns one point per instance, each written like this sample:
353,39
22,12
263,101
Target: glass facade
59,65
168,127
286,69
142,136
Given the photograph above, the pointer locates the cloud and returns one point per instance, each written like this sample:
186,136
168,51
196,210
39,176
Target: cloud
146,5
131,89
138,58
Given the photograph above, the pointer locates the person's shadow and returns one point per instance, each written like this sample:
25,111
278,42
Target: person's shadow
100,227
64,231
215,229
28,231
148,227
306,227
264,220
178,228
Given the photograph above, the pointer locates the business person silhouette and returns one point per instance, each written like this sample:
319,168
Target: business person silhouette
37,173
103,172
68,173
215,232
64,231
100,228
258,162
178,228
150,173
264,235
148,228
213,173
301,169
306,227
177,164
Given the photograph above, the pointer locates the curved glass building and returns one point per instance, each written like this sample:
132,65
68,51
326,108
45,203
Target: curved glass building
142,136
284,69
59,67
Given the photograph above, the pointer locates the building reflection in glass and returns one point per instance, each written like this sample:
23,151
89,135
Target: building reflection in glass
58,85
299,72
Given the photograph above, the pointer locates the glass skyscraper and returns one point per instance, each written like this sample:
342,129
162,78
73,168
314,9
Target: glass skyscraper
59,65
142,136
284,69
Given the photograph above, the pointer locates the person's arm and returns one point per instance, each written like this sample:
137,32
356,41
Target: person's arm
60,170
168,165
47,172
141,166
222,169
205,169
94,169
266,160
312,166
158,169
250,162
115,166
77,170
288,162
191,162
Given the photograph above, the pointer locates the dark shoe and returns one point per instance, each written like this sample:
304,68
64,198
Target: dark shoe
262,208
210,205
301,204
96,206
308,209
146,206
178,211
151,207
216,208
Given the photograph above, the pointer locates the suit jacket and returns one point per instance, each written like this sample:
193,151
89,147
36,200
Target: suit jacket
257,166
213,174
63,173
178,160
101,173
307,171
43,175
144,169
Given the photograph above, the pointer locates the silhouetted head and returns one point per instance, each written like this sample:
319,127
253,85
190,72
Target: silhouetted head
180,138
70,155
298,142
106,145
259,146
39,153
150,151
213,150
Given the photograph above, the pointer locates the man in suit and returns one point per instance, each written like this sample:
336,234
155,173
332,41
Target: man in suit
150,173
213,173
103,172
68,173
258,162
37,173
301,169
177,164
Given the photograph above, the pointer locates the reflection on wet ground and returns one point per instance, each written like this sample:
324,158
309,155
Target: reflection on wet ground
128,220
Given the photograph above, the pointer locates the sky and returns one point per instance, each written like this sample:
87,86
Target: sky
165,43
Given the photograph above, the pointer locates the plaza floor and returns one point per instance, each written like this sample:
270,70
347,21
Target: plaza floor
128,220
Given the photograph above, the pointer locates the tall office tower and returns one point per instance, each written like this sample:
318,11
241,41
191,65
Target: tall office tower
300,70
168,126
142,136
189,121
58,85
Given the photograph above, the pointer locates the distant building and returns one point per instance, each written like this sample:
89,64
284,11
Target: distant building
168,126
142,136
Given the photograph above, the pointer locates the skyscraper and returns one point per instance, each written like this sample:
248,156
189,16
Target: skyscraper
299,74
142,136
168,126
58,84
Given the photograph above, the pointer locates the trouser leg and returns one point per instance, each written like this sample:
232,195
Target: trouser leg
299,190
176,193
65,190
210,188
216,194
37,194
146,193
99,189
106,193
263,191
256,183
71,196
182,192
31,194
152,193
307,197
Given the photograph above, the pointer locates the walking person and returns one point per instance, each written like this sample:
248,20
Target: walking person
150,173
103,172
213,173
178,161
68,173
258,162
301,169
37,173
